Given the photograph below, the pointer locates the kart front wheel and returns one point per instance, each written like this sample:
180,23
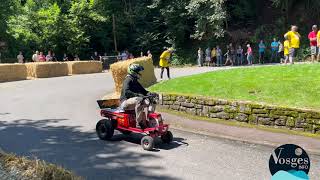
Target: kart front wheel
167,137
104,129
147,143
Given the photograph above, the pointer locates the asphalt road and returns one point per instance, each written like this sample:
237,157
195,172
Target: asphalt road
54,120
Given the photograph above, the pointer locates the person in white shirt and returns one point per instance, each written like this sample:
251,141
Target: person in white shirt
20,57
35,57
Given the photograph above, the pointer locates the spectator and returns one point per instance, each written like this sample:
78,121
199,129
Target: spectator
65,57
214,56
294,40
286,50
35,56
233,54
280,52
20,57
76,57
131,56
200,57
164,61
249,54
219,56
208,56
274,50
141,54
239,55
228,56
95,56
313,42
262,49
149,54
41,57
124,56
49,56
54,58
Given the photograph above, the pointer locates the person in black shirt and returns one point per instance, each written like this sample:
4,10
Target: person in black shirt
132,94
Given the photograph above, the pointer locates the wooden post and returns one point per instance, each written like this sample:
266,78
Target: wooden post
114,34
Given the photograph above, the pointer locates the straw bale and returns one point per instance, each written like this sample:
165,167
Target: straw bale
119,72
84,67
47,69
12,72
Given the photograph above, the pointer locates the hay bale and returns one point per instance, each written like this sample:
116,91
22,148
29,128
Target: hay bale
47,69
12,72
119,72
84,67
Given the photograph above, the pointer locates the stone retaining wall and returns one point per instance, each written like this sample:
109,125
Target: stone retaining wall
243,111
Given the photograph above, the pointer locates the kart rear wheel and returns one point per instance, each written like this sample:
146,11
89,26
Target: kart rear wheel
167,138
104,129
147,143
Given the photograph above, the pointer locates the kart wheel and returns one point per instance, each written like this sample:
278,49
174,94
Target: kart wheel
147,142
167,138
104,129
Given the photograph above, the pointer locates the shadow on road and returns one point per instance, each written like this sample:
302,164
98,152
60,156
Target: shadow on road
136,139
79,151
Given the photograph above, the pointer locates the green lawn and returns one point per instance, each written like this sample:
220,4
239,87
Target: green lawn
291,85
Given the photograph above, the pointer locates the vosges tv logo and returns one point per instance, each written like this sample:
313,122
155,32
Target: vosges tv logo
289,162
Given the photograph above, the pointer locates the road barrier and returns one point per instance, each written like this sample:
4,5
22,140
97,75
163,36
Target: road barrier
47,69
119,72
12,72
84,67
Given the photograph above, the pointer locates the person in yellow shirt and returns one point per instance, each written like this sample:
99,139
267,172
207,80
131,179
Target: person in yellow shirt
164,62
214,56
318,44
294,40
286,47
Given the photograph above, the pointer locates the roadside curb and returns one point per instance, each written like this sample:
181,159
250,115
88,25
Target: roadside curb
202,131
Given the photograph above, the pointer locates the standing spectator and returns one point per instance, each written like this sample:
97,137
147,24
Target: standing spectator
233,54
164,62
95,56
208,56
124,56
249,54
228,56
280,52
294,40
141,54
274,50
262,49
313,42
20,57
54,58
200,57
49,56
219,56
286,50
65,57
35,56
239,55
131,56
214,56
76,57
149,54
41,57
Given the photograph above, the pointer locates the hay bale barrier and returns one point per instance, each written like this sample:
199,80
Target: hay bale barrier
14,167
84,67
12,72
119,72
47,69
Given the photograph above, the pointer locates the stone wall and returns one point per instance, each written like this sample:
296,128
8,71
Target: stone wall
243,111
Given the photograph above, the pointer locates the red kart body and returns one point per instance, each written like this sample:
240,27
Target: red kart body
126,122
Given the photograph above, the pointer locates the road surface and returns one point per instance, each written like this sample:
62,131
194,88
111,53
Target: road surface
54,120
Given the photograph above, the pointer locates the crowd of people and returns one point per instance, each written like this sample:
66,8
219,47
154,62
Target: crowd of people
281,51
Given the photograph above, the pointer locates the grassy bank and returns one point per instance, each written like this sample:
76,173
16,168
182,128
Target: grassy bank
291,85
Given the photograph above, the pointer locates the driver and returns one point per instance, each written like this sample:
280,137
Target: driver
132,94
